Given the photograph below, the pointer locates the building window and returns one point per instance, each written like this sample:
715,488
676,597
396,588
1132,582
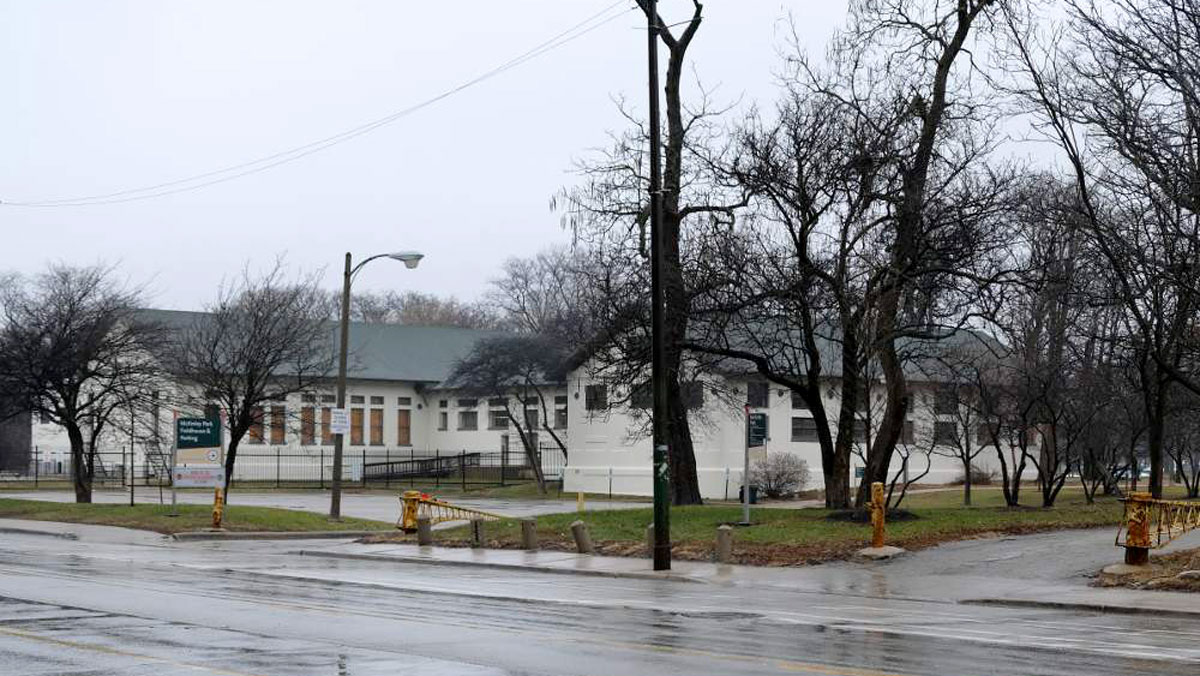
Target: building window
497,419
804,429
328,399
595,397
945,433
404,401
404,427
326,432
443,421
758,394
907,433
278,426
308,398
443,403
642,396
377,401
308,426
256,425
356,426
531,419
468,403
468,420
560,400
497,402
560,418
377,426
798,403
945,400
357,399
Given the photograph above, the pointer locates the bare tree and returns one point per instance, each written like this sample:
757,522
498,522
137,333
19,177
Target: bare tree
520,374
417,309
74,350
264,338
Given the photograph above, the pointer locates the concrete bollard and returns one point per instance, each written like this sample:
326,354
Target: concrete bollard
583,539
424,531
1137,529
724,543
878,514
529,538
476,533
650,540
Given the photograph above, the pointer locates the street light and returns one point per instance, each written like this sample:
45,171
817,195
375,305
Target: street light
410,260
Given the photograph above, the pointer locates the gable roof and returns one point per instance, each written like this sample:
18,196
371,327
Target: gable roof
377,351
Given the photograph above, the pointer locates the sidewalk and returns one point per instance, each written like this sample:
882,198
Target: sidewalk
979,572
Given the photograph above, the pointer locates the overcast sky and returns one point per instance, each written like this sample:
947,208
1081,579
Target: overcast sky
102,97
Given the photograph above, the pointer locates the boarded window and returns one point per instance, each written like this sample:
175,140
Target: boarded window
404,427
560,418
945,433
256,425
804,429
377,426
443,421
595,397
308,426
758,395
278,426
468,420
356,426
326,432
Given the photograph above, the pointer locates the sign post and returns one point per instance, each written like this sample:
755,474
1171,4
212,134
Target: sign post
199,460
756,435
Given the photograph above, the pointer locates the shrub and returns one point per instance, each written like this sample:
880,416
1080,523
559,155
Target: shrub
979,477
779,475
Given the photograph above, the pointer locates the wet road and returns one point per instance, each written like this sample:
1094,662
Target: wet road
140,606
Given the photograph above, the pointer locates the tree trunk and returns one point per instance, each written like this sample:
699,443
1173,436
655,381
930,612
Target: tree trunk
967,482
230,458
79,465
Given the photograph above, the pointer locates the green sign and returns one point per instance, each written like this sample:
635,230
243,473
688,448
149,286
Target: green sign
197,433
756,429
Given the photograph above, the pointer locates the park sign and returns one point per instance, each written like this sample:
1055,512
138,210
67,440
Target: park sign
197,433
199,460
756,430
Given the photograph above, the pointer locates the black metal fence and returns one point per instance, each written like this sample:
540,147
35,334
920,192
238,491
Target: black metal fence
287,467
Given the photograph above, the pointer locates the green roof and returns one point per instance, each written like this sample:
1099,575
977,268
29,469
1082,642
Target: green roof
379,351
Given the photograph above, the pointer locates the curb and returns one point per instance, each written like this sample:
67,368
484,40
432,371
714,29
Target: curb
501,566
1103,608
191,536
45,533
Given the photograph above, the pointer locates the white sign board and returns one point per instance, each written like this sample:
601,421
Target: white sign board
339,421
198,476
198,456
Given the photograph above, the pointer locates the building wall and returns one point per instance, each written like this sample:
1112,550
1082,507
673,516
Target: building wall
610,448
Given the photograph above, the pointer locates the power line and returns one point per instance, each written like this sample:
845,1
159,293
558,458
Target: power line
198,181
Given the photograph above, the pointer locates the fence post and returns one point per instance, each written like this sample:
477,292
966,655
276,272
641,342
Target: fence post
503,466
462,466
362,470
437,468
412,467
36,466
321,468
276,467
387,477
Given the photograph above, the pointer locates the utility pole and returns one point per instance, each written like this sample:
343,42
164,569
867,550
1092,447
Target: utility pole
662,477
335,493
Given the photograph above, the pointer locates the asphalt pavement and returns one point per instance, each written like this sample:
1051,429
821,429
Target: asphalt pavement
118,603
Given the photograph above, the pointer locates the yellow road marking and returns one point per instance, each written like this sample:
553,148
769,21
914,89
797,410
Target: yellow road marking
79,645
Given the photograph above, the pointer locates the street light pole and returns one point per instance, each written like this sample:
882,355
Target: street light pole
662,477
410,260
335,485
